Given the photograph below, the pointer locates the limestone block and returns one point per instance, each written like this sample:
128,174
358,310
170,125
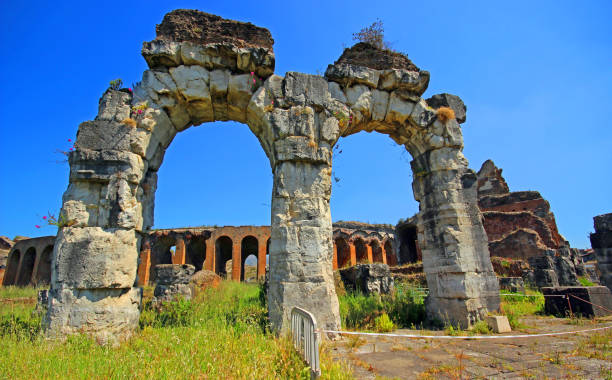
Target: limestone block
122,199
104,135
294,179
219,82
114,106
452,101
301,148
168,293
258,60
368,278
422,115
336,92
194,54
412,81
306,89
95,258
239,96
452,134
81,204
380,102
101,165
498,323
160,53
191,82
330,130
399,110
109,315
360,99
348,75
149,185
169,274
446,159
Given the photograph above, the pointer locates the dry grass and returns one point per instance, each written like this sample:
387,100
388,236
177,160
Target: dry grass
129,122
445,114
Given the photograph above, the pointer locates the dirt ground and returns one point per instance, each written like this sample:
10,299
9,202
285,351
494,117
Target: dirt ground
574,356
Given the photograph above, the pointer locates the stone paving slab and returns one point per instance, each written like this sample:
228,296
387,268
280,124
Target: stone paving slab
555,357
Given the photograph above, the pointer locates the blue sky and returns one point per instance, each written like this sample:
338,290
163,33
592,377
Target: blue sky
536,78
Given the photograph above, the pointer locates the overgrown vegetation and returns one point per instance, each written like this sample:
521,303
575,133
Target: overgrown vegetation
221,334
585,281
404,308
373,35
515,305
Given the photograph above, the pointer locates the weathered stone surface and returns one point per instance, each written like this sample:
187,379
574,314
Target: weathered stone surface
498,323
94,258
512,284
170,274
490,180
556,300
202,280
453,102
368,278
601,242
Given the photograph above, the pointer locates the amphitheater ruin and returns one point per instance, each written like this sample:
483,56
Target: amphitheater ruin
203,68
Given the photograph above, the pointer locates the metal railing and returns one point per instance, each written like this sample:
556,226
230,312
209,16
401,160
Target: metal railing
306,339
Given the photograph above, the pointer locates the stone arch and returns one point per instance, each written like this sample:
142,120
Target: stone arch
26,267
196,252
227,74
377,252
389,252
12,268
249,246
361,250
223,252
43,272
343,252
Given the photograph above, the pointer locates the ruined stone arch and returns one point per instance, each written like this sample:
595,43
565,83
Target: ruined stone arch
26,267
389,252
43,272
198,77
249,246
223,249
12,267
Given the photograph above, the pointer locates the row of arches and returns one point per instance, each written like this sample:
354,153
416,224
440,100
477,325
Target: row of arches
231,252
29,266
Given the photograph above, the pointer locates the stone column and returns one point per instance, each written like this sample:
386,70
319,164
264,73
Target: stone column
335,258
179,252
353,252
144,265
601,241
384,253
460,277
236,259
209,261
301,245
261,260
369,253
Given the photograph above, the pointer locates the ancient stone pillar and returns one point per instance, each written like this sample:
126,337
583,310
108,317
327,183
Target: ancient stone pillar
236,259
144,263
369,253
384,253
601,241
179,251
209,261
335,257
261,260
460,277
353,252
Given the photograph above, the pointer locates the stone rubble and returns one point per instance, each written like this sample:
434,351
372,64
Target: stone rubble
601,241
368,278
172,282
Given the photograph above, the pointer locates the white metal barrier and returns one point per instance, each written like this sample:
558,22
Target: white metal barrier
306,338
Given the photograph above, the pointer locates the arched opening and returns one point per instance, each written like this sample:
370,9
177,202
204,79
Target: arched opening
343,253
223,253
377,252
27,266
11,268
196,252
162,251
407,236
248,249
361,251
390,252
43,274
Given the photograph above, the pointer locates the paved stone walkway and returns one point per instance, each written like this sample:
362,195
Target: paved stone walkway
576,356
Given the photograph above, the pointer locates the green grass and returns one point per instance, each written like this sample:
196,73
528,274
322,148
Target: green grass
12,292
585,281
405,307
221,334
515,307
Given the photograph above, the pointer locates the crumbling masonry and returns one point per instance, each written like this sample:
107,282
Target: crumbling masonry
201,69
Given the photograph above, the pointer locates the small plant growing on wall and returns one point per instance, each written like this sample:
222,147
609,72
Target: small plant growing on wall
445,114
373,35
115,84
60,222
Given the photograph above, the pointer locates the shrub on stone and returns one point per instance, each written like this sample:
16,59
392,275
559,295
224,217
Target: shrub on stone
445,114
383,323
373,35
